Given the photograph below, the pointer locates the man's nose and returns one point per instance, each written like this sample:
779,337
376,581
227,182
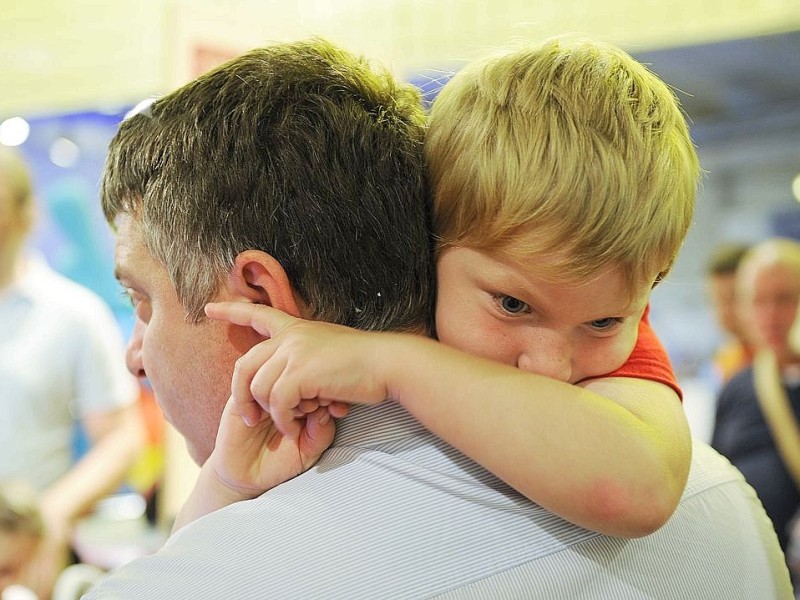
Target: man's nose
133,354
549,356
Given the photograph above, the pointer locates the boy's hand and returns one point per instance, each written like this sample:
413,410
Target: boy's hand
303,368
249,460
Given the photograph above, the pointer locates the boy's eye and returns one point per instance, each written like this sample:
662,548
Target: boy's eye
512,305
605,324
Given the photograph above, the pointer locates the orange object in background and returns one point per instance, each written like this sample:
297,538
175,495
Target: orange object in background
148,470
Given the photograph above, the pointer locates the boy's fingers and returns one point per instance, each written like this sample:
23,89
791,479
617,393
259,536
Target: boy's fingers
268,368
285,398
287,425
323,417
251,413
338,409
264,319
253,375
307,406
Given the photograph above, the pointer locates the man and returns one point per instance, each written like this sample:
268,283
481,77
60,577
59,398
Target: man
293,176
61,359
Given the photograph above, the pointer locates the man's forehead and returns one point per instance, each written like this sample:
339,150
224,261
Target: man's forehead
129,246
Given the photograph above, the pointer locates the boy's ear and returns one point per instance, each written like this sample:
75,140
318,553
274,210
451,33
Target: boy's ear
256,276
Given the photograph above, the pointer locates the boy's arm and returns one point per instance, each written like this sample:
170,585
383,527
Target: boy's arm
611,455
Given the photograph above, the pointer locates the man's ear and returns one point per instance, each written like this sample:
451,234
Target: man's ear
259,278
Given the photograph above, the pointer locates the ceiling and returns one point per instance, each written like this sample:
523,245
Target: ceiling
58,56
737,88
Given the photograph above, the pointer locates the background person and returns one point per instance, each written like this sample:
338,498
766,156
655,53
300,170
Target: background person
61,359
768,288
736,352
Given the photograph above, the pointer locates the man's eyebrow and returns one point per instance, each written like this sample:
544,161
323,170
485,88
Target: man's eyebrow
122,277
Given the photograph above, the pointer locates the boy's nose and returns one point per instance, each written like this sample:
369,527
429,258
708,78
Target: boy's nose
550,361
133,354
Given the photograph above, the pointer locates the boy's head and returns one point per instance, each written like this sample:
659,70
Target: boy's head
563,184
292,176
21,529
570,150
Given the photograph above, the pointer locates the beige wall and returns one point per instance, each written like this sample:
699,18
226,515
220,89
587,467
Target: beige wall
61,55
58,55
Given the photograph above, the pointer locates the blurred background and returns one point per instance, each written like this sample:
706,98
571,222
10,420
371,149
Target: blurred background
71,69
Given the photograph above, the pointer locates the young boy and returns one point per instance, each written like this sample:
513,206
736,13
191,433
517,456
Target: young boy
564,181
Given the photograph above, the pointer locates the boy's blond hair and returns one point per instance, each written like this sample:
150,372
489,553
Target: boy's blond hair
572,150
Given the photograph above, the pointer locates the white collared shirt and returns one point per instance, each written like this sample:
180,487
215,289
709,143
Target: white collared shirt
390,511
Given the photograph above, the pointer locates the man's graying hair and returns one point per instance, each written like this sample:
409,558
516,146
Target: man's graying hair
301,150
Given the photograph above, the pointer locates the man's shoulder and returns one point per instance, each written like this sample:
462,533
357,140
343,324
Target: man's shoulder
393,524
709,469
368,522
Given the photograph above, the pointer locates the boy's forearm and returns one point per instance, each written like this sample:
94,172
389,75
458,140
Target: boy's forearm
616,466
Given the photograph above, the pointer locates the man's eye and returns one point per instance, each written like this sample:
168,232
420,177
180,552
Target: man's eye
126,294
604,324
512,305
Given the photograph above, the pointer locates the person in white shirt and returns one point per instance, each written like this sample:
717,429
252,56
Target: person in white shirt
61,360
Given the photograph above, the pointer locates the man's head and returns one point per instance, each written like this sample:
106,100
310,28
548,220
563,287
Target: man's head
16,209
768,292
721,278
292,175
570,150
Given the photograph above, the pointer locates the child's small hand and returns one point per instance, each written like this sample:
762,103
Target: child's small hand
304,367
249,460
